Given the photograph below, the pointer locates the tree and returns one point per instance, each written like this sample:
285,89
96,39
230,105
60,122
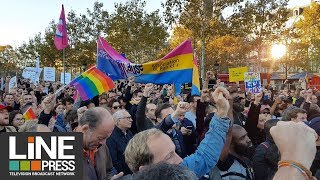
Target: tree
228,51
9,60
138,34
261,22
83,31
308,31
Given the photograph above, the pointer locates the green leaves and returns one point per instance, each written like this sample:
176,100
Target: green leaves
138,34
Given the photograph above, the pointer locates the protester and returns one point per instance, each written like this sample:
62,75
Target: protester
237,165
4,119
114,105
297,153
145,114
168,125
97,125
266,157
119,139
296,115
258,114
153,146
165,171
191,114
171,130
16,119
315,168
8,100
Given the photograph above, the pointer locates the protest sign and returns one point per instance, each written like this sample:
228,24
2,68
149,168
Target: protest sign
252,82
31,73
12,83
67,80
237,74
49,74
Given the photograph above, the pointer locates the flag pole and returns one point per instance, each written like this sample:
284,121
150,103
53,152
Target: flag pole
64,67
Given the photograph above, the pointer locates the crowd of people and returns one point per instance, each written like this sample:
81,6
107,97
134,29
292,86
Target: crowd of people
145,131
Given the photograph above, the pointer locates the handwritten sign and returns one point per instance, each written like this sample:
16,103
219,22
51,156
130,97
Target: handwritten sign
67,80
252,82
31,73
49,74
237,74
12,83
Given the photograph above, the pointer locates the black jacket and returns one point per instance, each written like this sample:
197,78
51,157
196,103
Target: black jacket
315,168
142,122
175,135
189,140
133,112
264,165
117,144
256,135
44,118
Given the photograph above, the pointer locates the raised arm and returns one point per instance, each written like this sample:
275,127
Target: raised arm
208,152
141,109
297,144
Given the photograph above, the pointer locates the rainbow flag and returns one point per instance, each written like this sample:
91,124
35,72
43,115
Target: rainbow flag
29,115
61,37
91,83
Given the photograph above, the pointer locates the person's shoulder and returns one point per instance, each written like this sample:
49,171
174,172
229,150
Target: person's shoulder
10,129
225,164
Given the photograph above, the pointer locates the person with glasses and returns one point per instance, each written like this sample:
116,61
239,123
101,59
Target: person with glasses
16,119
119,139
114,105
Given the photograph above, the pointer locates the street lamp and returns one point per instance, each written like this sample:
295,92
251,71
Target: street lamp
216,68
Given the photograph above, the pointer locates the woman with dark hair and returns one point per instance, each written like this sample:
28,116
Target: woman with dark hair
114,105
16,119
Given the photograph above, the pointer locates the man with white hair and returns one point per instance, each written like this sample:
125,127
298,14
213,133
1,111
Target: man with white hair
119,139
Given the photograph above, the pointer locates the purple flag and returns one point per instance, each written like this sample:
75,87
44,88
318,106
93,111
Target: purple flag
61,38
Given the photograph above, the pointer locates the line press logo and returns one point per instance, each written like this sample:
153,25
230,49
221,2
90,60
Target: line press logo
39,155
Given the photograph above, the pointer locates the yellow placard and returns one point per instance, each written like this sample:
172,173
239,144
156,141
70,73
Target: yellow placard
237,74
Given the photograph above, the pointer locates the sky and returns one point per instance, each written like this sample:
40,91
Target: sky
22,19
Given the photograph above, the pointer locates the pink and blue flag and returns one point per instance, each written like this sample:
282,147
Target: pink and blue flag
177,67
110,61
61,38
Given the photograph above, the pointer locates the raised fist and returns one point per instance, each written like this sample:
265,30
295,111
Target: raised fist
220,97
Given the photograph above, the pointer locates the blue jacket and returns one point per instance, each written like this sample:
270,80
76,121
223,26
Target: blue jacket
208,152
60,126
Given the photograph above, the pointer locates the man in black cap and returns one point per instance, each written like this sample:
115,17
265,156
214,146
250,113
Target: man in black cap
4,119
238,108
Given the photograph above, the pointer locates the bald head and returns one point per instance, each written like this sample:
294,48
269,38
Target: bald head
95,116
97,125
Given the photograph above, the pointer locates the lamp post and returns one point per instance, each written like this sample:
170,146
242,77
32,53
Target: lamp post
216,68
